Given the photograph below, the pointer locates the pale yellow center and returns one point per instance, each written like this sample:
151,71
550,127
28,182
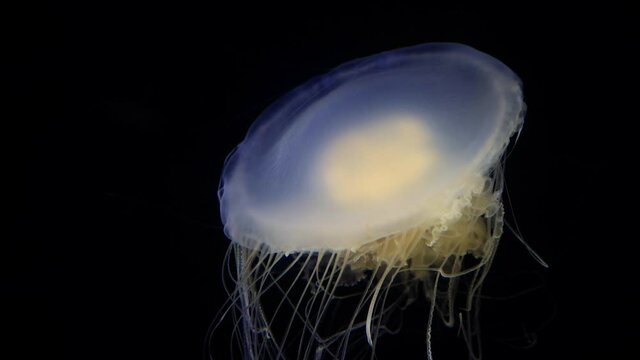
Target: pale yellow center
371,165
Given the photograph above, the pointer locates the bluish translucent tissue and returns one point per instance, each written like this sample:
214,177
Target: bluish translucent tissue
375,146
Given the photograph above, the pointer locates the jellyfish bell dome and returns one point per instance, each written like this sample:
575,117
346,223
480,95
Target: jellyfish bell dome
376,146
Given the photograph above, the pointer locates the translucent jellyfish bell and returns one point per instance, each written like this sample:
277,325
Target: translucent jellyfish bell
387,163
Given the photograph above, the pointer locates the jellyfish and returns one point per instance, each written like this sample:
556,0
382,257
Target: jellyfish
363,190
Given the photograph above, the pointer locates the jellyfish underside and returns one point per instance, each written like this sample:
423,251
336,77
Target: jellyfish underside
354,196
307,283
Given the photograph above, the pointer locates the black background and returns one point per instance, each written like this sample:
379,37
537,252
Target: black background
125,114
